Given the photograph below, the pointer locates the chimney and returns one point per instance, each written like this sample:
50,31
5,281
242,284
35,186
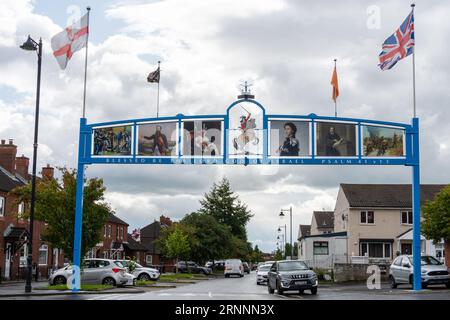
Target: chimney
165,221
22,164
8,154
48,172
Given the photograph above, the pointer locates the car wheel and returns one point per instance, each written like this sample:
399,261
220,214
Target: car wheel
241,275
59,280
447,285
109,281
269,288
393,283
424,285
301,291
314,291
144,277
227,276
279,289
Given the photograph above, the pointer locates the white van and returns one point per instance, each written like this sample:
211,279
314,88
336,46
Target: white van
233,267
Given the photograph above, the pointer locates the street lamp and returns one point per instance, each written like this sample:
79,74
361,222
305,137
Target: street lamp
31,45
282,215
285,237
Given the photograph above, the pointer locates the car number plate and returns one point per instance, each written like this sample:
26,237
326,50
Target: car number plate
301,282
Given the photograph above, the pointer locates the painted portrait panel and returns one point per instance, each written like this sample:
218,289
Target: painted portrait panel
289,138
245,130
335,139
157,139
382,141
202,138
112,141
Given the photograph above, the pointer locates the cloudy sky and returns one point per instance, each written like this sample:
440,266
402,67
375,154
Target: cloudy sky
285,47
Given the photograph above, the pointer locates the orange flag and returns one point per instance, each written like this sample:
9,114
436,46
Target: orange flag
334,83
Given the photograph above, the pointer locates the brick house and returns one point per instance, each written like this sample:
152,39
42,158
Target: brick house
135,250
149,235
14,231
115,237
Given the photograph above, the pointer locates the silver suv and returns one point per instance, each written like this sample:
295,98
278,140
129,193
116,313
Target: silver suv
433,272
94,271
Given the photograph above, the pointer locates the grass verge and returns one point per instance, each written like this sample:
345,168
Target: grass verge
84,287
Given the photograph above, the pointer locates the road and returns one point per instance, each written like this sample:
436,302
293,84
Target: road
246,289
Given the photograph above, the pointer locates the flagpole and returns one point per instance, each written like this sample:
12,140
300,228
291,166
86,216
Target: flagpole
157,98
335,98
414,68
85,63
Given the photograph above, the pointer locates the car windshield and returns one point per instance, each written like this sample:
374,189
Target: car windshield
292,266
264,268
427,260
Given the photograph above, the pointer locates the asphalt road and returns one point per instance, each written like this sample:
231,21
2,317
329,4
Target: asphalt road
236,288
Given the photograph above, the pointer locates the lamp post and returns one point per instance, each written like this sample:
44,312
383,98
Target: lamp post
285,237
290,226
31,45
283,244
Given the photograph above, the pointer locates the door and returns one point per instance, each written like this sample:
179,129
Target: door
404,270
406,248
8,261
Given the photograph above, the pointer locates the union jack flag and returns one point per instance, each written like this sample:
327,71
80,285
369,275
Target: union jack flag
398,45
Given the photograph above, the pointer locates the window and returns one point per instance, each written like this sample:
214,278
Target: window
320,248
21,208
43,255
398,261
376,249
367,217
23,255
105,232
105,254
407,217
117,233
2,206
121,233
149,259
109,231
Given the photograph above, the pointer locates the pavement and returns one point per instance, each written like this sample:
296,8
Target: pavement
17,290
246,289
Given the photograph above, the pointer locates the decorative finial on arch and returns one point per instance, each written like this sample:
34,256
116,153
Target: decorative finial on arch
245,90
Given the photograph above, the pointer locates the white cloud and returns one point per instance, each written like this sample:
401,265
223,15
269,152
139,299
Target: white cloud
206,47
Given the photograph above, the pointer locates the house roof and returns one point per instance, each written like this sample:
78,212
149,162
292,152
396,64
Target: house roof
15,233
115,219
133,244
387,195
9,181
324,219
328,235
304,230
149,234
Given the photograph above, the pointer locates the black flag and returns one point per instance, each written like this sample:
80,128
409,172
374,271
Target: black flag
153,76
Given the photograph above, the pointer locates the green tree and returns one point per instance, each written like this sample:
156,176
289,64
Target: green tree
256,255
278,255
55,205
177,244
436,218
210,240
222,204
288,249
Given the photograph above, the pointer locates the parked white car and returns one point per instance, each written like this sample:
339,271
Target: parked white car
95,271
261,273
233,267
433,271
140,272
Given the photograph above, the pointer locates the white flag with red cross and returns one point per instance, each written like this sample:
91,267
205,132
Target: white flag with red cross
70,40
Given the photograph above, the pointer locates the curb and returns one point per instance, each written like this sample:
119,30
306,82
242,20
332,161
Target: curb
64,293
